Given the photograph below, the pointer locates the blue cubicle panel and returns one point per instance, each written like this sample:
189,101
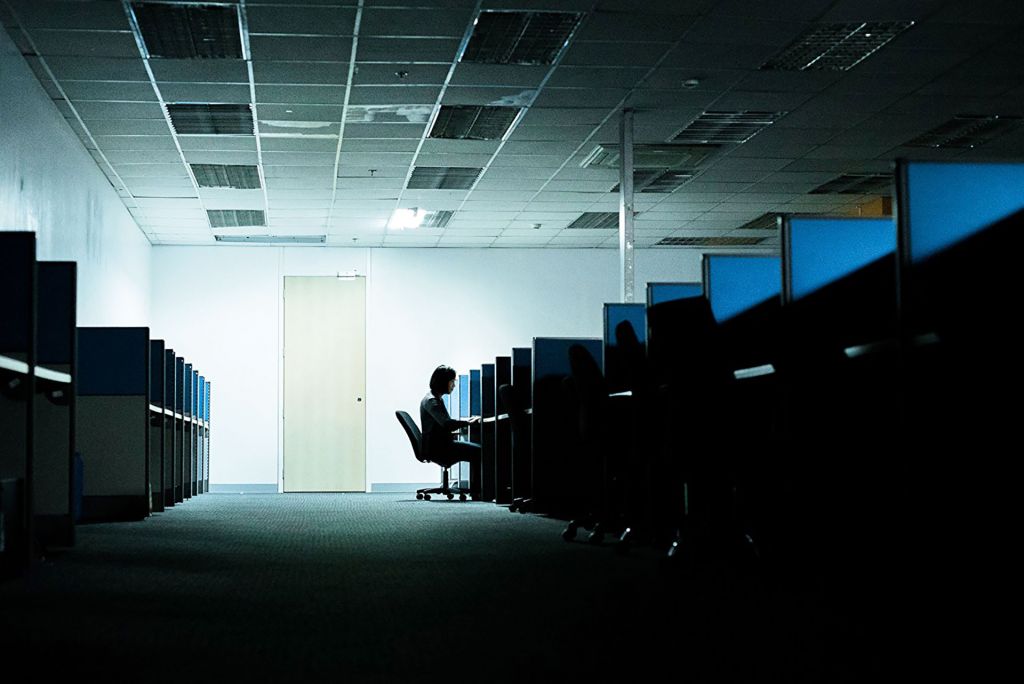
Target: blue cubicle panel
18,283
819,251
453,401
551,355
202,397
522,364
447,401
487,389
113,361
669,292
179,385
616,360
57,304
735,284
112,423
157,375
169,379
634,314
464,395
474,393
943,203
195,393
189,381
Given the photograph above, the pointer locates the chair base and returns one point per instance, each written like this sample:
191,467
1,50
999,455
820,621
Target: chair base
445,489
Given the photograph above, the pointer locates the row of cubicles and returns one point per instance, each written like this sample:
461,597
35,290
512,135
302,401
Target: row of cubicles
98,423
861,373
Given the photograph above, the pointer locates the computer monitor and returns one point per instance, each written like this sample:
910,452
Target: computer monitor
735,284
819,251
620,360
668,292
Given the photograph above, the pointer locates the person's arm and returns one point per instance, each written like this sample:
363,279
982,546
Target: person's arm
437,411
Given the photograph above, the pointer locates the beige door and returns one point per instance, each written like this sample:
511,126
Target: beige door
324,384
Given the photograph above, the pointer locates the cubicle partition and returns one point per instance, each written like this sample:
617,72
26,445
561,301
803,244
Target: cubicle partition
621,359
522,388
54,404
113,422
170,435
554,423
203,437
475,430
17,361
180,445
488,433
502,434
157,423
189,457
206,449
670,292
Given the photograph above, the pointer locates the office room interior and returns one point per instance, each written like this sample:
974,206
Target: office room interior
464,161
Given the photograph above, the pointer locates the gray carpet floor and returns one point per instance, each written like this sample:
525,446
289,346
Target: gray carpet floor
381,587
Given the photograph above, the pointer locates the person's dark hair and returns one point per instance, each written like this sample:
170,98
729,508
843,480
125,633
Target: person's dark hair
440,378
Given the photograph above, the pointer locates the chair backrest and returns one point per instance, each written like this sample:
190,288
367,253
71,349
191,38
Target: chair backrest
412,431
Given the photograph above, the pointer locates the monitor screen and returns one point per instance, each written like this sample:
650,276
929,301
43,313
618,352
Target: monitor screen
667,292
819,251
943,203
738,283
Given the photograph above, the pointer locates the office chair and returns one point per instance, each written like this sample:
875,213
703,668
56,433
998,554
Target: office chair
413,432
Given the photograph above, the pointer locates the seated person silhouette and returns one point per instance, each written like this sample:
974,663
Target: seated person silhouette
438,443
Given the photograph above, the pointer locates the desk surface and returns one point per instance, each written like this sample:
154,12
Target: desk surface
7,363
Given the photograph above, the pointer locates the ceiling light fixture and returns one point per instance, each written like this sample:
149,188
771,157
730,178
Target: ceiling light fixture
404,219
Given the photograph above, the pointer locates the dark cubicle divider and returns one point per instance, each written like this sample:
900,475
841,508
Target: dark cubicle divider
202,477
55,404
157,422
488,433
502,434
196,427
522,387
554,455
206,417
619,357
189,457
959,297
17,360
745,297
113,422
170,434
180,448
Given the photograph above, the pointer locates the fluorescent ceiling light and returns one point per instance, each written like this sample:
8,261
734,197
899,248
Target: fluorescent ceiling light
407,218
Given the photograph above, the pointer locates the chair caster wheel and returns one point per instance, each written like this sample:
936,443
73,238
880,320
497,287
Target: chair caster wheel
419,496
426,497
512,508
450,496
462,497
569,533
596,537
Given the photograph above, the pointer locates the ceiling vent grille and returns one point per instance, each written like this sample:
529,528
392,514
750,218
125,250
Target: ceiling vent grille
519,37
769,221
967,131
436,219
273,239
709,242
189,31
857,184
236,218
658,157
723,128
473,123
235,176
443,178
211,119
595,220
661,182
836,47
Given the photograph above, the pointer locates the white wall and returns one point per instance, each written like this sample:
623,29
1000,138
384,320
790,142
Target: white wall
220,307
49,184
